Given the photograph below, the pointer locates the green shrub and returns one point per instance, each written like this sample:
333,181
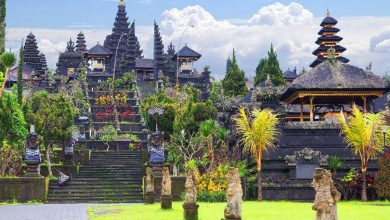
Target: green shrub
205,196
382,182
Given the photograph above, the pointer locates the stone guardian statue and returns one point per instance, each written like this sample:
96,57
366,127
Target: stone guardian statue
233,196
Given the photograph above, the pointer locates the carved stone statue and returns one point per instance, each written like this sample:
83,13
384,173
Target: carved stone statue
166,182
233,195
190,185
166,198
32,147
149,180
190,207
150,194
156,148
326,195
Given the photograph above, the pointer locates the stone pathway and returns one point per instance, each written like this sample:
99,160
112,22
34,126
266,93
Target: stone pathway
44,212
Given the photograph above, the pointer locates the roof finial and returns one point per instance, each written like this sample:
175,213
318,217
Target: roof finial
327,13
122,2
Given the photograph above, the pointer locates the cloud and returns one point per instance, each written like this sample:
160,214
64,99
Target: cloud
291,28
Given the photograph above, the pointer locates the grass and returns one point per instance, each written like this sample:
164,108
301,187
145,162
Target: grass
15,202
251,211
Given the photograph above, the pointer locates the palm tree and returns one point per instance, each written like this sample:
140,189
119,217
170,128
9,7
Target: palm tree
362,132
258,133
207,131
7,60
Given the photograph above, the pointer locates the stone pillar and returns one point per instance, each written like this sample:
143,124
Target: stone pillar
233,196
326,195
166,197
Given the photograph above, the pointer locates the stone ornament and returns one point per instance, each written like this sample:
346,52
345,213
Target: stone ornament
166,182
326,195
233,195
307,155
190,186
149,180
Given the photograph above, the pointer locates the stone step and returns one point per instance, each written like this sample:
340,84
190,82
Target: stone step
93,187
93,200
93,193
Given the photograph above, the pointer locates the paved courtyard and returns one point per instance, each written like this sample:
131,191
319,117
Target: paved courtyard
44,211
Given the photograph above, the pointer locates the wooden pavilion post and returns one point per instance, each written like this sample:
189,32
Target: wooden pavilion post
311,109
364,104
301,116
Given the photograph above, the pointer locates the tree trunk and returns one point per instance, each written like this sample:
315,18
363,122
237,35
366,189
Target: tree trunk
5,81
48,149
259,186
364,186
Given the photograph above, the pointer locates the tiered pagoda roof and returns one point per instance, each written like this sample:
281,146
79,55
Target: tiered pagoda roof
159,58
32,57
290,74
121,27
81,47
328,39
128,64
99,50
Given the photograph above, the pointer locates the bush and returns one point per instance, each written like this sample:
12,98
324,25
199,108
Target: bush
382,182
206,196
350,186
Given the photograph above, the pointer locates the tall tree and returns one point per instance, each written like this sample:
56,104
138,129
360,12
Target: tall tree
258,132
53,117
234,81
362,132
2,25
259,72
20,75
269,66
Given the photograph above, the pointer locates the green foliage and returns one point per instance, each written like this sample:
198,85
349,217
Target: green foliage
269,66
8,59
349,176
20,75
108,133
52,116
13,127
335,163
124,83
206,196
234,81
216,93
165,121
382,182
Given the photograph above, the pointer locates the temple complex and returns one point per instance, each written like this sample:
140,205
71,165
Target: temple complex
328,39
70,61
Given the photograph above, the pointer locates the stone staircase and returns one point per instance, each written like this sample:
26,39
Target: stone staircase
109,177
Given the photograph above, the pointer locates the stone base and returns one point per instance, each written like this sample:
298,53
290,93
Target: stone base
166,202
32,171
190,211
230,218
149,197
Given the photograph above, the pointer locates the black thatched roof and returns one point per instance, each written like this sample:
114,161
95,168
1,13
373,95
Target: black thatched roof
289,74
321,59
341,76
329,30
99,50
323,48
187,52
328,21
144,64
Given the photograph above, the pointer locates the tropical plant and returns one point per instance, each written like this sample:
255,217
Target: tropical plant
334,164
207,131
257,135
362,132
7,60
188,145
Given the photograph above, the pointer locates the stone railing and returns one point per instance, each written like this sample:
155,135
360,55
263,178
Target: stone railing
311,125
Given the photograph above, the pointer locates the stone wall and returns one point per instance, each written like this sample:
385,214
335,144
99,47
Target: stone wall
23,189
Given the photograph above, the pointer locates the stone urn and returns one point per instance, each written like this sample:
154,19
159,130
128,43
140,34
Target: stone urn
150,194
166,197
